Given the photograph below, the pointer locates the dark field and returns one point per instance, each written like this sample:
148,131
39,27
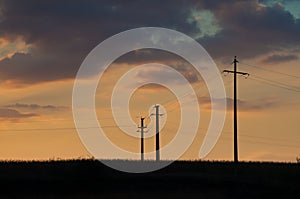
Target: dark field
92,179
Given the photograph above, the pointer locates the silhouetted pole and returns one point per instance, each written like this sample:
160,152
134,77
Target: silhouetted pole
235,134
142,138
235,61
157,132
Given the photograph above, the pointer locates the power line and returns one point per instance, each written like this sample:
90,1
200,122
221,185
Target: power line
261,137
115,126
276,82
65,128
269,70
262,142
273,82
242,139
68,120
274,144
197,88
243,133
265,81
196,92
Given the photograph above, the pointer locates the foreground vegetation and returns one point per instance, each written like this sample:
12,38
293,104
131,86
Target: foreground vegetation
91,179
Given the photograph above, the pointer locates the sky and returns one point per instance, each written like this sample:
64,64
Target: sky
43,44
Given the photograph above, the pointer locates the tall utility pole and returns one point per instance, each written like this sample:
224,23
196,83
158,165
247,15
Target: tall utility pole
235,72
142,127
157,132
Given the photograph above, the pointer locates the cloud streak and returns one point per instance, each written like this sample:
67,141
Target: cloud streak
243,105
7,114
36,106
279,58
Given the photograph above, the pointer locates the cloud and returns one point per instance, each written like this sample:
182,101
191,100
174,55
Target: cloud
61,34
250,29
15,112
35,106
293,6
243,105
256,105
148,56
279,58
14,115
158,56
27,69
10,48
205,21
169,76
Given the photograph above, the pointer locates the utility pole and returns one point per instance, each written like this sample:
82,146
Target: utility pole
235,72
142,127
157,132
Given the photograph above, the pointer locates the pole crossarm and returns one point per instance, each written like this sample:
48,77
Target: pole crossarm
237,72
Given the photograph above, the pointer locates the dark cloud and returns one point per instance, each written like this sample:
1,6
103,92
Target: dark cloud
35,106
143,56
168,76
14,115
278,58
60,34
251,30
148,56
28,68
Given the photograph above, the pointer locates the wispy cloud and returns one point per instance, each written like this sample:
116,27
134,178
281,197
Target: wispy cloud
13,115
255,105
243,105
279,58
36,106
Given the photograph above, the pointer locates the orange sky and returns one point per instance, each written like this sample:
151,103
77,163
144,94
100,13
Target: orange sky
39,61
266,134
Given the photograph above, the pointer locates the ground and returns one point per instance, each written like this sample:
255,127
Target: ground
182,179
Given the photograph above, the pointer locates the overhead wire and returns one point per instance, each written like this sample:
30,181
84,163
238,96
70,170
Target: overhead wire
272,82
243,138
63,128
270,70
197,90
266,81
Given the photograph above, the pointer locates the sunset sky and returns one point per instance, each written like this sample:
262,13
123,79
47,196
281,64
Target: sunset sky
43,43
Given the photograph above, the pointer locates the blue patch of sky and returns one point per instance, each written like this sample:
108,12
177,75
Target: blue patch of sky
292,6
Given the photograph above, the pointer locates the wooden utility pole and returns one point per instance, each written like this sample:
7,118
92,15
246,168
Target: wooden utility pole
142,127
157,142
157,132
235,132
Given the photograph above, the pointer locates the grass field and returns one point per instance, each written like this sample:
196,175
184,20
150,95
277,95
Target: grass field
181,179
